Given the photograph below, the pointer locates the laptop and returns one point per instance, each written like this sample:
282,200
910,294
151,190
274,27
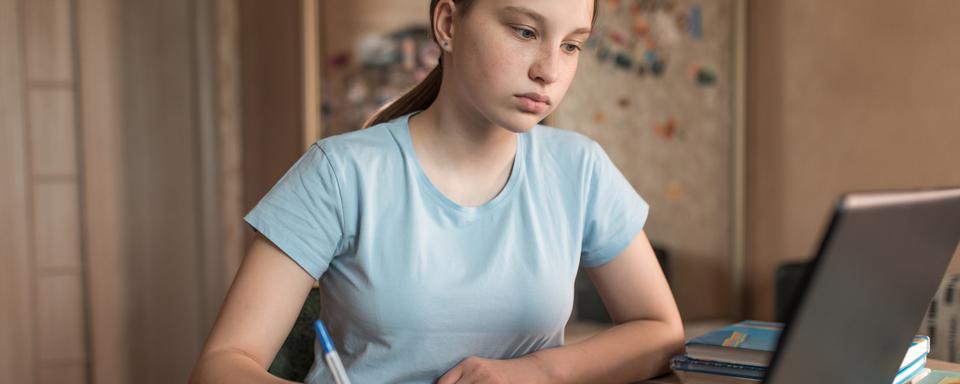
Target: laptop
879,265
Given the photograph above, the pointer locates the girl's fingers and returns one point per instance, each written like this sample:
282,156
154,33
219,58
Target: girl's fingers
451,376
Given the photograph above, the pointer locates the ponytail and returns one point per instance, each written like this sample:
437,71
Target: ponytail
417,99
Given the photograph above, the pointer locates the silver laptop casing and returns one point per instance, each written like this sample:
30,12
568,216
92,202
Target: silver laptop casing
879,265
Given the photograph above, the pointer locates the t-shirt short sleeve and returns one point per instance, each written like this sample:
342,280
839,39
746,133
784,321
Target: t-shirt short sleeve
303,213
614,215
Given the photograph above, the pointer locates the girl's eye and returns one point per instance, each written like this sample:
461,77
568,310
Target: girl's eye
571,48
524,33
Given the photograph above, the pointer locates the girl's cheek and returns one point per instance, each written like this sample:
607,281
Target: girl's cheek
570,72
497,64
508,50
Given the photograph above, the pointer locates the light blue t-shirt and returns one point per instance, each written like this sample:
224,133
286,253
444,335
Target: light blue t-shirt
412,282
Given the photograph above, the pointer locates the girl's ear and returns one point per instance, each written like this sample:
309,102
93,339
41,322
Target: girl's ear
443,23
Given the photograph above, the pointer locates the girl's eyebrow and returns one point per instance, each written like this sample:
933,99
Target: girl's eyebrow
525,11
538,17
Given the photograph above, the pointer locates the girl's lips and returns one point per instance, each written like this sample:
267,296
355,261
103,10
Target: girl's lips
530,105
536,97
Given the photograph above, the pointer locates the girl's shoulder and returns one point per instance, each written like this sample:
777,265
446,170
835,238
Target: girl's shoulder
373,142
563,142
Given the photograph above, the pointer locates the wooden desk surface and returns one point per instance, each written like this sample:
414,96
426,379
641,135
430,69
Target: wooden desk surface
932,364
578,331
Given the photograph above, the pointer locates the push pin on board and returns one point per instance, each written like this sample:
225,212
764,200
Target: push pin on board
673,191
666,130
702,76
599,117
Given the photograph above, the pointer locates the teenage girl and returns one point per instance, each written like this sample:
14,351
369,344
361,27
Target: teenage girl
446,236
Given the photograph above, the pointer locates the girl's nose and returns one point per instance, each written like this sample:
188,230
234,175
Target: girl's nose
546,67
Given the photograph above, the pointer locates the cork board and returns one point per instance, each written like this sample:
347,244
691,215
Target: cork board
655,88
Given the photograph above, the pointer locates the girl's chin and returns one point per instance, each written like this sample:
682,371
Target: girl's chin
514,120
521,125
521,122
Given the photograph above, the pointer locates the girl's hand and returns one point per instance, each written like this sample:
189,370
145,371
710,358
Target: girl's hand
476,370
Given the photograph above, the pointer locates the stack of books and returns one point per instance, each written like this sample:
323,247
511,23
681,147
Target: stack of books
740,353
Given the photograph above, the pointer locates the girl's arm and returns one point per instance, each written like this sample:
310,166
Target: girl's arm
648,332
258,313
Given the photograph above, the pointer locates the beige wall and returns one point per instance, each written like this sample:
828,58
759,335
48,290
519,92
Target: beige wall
104,202
119,208
44,322
842,95
16,336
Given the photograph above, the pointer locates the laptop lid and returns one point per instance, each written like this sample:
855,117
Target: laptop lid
879,265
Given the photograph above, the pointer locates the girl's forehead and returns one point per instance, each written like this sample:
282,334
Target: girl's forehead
572,14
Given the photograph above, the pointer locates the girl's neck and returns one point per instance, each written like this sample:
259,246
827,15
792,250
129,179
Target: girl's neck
455,138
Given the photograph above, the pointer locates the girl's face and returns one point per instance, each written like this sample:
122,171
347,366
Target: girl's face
513,60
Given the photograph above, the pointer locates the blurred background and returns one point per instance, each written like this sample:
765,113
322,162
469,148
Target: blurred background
135,134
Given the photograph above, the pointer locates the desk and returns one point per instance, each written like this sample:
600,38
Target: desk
932,364
577,331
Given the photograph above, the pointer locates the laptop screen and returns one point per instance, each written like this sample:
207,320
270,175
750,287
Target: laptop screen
878,266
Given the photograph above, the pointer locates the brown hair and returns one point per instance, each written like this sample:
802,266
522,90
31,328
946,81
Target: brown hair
423,95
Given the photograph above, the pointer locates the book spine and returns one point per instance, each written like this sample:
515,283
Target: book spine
681,363
942,320
908,372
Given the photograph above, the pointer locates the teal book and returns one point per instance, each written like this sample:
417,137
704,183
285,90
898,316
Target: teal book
941,377
692,371
911,370
744,343
753,343
688,369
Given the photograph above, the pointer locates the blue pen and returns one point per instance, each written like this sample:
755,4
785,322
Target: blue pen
330,354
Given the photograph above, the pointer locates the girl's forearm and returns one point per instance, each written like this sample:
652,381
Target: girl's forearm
231,367
629,352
